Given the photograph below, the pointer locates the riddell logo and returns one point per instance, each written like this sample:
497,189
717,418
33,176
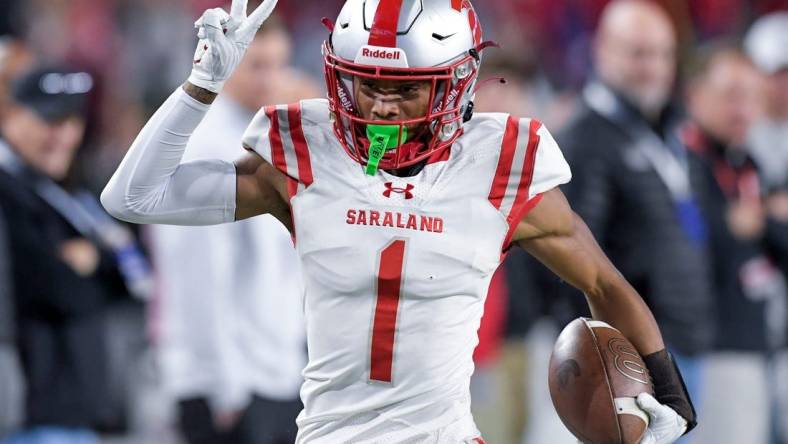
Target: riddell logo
380,54
344,99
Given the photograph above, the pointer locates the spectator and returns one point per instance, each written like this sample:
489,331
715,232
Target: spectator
62,258
631,182
15,58
766,43
11,380
725,99
233,339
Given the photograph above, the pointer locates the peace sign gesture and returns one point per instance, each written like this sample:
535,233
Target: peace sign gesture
223,42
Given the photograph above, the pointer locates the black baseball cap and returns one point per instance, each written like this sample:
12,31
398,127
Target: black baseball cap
54,93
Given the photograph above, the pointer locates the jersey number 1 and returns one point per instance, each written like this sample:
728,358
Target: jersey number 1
392,259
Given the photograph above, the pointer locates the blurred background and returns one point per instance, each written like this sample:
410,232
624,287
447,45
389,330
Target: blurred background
702,83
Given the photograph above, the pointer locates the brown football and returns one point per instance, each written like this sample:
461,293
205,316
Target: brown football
595,376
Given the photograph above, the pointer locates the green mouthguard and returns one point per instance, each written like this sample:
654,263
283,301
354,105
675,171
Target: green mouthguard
382,138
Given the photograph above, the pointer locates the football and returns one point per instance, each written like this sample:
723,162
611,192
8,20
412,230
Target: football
595,375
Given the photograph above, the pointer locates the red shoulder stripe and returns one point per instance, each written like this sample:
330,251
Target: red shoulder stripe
522,205
528,167
504,168
299,142
277,149
384,26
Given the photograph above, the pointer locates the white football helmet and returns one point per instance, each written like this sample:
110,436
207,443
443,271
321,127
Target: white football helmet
433,40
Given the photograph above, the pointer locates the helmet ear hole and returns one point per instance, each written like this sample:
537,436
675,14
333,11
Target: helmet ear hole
463,71
448,130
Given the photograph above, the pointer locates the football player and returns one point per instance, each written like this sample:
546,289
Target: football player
402,203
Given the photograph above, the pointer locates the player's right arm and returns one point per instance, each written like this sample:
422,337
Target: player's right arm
260,189
152,185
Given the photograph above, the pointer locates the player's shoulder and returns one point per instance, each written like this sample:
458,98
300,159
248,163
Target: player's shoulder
488,124
307,111
284,135
525,154
502,131
482,134
274,120
314,112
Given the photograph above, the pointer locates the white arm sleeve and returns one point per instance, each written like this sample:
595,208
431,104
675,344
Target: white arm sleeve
151,185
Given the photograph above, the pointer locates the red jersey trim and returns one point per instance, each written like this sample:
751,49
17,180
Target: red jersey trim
521,213
274,136
504,169
289,148
522,204
299,142
527,174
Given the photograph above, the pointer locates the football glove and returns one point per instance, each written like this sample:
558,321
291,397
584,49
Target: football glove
223,42
666,426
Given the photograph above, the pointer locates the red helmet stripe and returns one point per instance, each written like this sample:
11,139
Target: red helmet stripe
473,22
457,4
385,24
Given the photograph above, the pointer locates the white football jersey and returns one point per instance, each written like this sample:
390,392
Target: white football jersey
397,268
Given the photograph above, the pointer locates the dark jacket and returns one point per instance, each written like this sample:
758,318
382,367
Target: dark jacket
7,324
744,274
634,217
59,314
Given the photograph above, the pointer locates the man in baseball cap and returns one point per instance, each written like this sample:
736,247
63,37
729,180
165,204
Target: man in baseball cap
43,120
57,285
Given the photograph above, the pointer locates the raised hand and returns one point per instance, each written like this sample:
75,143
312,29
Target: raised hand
223,42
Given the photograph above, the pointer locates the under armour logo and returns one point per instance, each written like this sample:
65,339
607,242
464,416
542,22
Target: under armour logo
406,191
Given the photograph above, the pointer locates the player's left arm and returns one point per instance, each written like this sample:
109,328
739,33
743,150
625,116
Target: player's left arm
555,235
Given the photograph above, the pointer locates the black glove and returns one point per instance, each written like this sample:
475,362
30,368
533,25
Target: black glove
669,388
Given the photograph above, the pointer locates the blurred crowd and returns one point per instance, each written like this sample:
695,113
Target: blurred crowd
673,115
